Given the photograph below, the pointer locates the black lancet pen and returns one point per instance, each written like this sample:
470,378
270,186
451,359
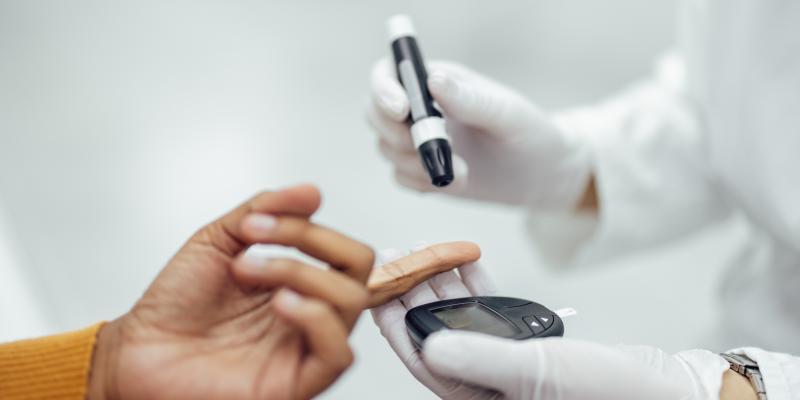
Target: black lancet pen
427,125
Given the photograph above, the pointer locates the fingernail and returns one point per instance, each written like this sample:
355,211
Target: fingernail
259,261
255,260
289,298
262,223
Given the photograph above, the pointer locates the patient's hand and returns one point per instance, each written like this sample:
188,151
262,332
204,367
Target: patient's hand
219,324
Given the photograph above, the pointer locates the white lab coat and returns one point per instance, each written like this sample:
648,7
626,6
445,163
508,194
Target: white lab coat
715,131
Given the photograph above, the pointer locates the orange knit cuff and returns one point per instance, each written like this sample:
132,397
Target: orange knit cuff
53,367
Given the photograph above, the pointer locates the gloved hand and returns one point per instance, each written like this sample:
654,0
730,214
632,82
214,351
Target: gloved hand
467,365
505,149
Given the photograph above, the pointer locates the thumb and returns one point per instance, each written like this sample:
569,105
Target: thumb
473,99
549,368
476,358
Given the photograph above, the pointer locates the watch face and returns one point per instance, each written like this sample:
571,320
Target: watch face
475,317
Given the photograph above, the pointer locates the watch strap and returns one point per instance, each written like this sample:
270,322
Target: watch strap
748,368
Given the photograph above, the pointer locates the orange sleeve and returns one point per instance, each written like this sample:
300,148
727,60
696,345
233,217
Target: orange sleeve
53,367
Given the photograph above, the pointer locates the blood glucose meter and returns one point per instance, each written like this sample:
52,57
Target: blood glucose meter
498,316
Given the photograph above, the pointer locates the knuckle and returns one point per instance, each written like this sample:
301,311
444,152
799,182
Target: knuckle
433,253
206,233
216,235
346,359
394,270
358,299
359,258
366,257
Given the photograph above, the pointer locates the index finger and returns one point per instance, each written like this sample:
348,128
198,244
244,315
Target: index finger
398,277
347,255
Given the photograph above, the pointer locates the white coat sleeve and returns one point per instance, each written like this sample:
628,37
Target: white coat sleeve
652,182
781,372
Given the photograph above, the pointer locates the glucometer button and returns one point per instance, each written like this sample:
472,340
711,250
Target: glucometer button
547,321
534,324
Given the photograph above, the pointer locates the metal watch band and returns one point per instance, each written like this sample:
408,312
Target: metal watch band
749,369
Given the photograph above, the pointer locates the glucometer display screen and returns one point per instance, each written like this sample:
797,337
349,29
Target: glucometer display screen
475,317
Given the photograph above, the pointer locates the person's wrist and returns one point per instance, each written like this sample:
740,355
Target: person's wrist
736,387
103,370
589,201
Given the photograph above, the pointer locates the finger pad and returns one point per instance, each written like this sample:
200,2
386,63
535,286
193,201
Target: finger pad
458,252
396,278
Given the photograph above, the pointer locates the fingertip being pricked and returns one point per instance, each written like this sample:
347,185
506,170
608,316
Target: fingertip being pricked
462,251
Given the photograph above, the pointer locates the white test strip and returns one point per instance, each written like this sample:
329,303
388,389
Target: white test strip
566,312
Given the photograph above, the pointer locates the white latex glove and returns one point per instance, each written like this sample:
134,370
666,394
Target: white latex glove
465,365
505,148
390,318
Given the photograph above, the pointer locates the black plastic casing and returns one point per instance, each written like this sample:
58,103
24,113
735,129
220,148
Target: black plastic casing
437,159
435,154
421,321
406,48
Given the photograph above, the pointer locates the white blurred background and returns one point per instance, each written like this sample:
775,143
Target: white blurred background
124,126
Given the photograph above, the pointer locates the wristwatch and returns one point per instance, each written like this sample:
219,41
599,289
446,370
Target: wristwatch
748,368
